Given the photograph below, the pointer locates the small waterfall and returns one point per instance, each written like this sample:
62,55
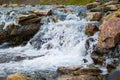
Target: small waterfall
56,44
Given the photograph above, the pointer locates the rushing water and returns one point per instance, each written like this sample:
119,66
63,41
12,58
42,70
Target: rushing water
56,44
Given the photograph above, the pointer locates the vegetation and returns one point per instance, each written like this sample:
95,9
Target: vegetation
49,2
66,2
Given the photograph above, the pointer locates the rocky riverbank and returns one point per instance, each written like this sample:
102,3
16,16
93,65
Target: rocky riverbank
101,19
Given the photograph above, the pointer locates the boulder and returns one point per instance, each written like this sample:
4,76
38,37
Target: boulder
28,19
91,29
17,76
68,11
110,33
43,12
15,34
13,5
112,7
81,74
112,15
93,16
81,77
100,9
92,5
68,70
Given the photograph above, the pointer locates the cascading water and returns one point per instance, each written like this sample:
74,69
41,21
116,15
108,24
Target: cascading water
56,44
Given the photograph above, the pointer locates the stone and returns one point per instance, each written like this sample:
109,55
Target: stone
112,15
15,35
112,7
43,12
10,26
92,5
68,11
67,70
13,5
93,16
55,19
100,9
110,34
91,29
4,5
29,21
17,76
25,17
87,71
60,6
81,77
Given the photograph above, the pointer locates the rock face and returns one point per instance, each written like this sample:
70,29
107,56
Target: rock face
17,76
91,29
93,16
110,34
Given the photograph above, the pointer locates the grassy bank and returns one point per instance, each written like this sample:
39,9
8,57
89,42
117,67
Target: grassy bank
49,2
66,2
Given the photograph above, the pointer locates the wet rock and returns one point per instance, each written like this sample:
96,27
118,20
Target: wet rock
4,5
81,77
111,67
55,19
17,76
97,59
112,7
91,29
60,6
29,21
112,15
43,12
82,74
2,24
13,5
68,11
10,26
100,9
92,5
93,16
110,34
68,70
15,34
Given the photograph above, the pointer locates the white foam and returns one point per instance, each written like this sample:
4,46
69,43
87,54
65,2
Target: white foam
69,33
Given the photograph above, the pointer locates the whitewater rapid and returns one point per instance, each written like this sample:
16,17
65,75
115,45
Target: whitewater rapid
63,45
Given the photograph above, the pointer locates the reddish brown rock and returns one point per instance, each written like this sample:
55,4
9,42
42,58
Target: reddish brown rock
17,76
10,26
93,16
91,29
43,12
110,34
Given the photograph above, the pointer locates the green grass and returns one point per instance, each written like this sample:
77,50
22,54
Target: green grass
51,2
66,2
